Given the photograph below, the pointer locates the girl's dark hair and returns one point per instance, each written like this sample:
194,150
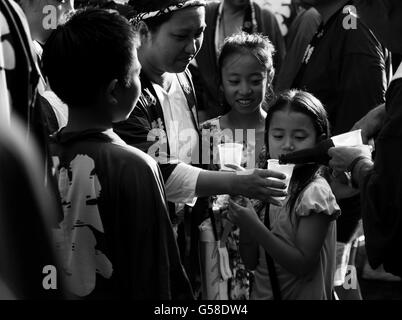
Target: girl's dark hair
255,44
91,49
306,103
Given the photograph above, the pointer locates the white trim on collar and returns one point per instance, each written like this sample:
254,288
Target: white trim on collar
398,73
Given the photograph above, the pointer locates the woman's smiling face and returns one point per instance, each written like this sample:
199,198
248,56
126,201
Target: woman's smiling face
177,41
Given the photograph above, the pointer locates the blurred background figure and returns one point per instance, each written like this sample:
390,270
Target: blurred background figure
285,12
27,208
301,31
37,13
43,17
27,213
380,179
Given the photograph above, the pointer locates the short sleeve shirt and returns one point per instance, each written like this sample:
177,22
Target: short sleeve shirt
317,198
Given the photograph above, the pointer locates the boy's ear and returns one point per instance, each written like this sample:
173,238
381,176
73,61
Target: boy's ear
143,31
111,92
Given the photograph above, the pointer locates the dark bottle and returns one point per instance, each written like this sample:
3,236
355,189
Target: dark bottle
318,154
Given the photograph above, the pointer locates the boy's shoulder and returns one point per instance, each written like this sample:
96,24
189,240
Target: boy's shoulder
122,152
103,147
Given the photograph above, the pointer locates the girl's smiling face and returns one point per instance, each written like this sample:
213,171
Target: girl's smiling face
244,82
290,131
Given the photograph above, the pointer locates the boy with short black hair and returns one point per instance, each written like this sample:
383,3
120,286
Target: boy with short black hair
116,238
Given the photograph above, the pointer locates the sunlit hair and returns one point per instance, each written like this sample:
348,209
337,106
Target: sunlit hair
303,102
255,44
91,49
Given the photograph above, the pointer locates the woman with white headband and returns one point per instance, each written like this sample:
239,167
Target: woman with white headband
171,36
164,123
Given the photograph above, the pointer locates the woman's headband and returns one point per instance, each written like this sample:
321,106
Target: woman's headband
172,8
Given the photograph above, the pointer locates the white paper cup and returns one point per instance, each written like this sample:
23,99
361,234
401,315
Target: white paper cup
287,169
348,139
230,153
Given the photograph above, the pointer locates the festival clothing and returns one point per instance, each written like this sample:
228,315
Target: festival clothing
55,112
146,129
381,188
28,211
115,239
348,70
301,31
183,140
28,208
239,284
317,284
18,67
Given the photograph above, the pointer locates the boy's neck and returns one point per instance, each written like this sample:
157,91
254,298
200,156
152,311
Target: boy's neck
85,118
246,121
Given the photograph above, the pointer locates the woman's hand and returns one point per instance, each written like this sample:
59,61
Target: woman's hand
255,188
256,185
249,183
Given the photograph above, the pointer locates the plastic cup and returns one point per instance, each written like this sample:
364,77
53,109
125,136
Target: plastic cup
230,153
287,169
348,139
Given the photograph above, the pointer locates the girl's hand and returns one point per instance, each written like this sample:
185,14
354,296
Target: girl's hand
242,216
